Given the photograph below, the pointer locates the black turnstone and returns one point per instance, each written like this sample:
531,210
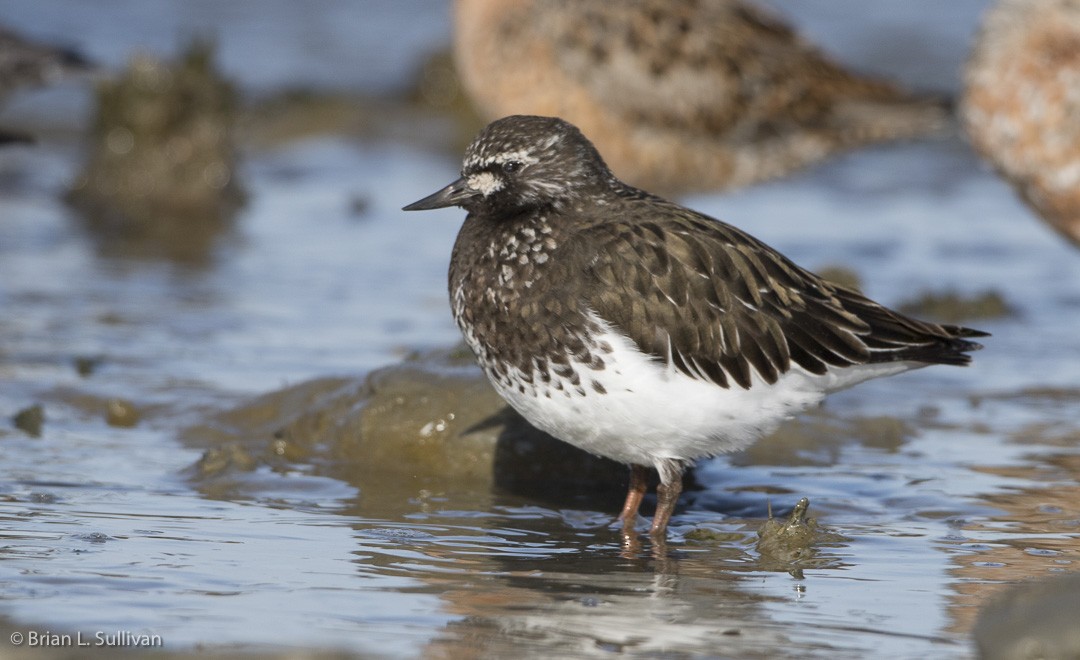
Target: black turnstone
679,94
638,329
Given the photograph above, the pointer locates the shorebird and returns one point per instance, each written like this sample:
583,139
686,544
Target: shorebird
1021,104
679,94
26,63
641,330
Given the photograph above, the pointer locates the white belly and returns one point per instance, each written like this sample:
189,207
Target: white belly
641,411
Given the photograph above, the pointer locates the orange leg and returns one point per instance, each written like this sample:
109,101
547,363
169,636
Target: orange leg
667,496
639,481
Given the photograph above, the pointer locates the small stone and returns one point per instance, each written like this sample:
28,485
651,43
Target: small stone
787,542
707,535
121,413
30,419
229,457
86,365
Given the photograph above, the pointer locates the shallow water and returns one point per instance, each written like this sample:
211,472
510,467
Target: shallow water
103,530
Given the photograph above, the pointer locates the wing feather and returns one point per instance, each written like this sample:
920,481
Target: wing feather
716,304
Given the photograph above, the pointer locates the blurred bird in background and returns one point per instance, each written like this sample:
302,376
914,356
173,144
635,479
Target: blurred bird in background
1021,105
25,63
679,95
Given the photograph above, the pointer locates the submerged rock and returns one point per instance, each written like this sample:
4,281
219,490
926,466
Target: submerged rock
121,413
842,275
794,543
818,436
30,420
160,179
86,365
432,419
790,540
953,307
798,526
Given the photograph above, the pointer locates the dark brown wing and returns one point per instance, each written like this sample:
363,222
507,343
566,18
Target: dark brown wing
716,303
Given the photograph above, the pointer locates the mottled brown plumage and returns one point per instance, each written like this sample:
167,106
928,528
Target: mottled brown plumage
585,299
1021,104
678,94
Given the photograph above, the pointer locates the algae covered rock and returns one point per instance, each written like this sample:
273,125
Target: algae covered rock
160,175
30,420
431,420
789,540
954,307
796,542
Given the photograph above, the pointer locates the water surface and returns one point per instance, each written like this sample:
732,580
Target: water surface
969,484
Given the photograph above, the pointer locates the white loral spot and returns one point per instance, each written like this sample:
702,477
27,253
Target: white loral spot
485,183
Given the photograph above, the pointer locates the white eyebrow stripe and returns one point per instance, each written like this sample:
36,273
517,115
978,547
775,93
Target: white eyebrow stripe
520,155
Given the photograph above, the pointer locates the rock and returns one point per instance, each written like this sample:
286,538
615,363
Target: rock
432,419
30,419
160,179
86,365
790,540
1037,619
842,275
121,413
953,307
794,544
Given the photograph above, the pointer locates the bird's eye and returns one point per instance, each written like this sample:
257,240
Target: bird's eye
512,166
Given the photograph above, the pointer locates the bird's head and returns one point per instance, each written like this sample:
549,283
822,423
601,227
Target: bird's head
520,162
